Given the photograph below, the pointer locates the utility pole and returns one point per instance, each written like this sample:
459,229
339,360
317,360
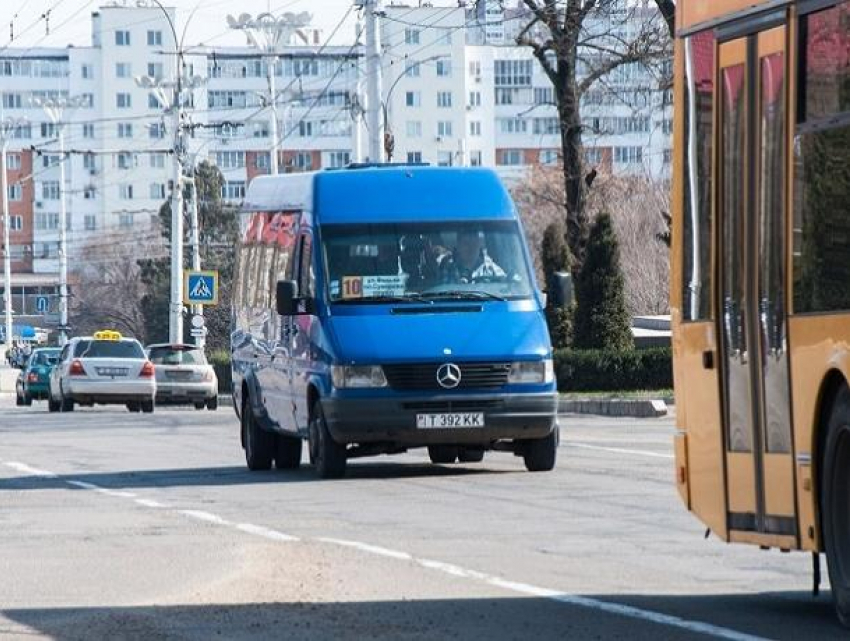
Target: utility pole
269,35
7,128
55,109
373,70
194,235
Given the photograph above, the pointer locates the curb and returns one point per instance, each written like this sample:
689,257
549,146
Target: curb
634,408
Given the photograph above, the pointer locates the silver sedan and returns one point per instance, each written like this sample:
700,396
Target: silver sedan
183,376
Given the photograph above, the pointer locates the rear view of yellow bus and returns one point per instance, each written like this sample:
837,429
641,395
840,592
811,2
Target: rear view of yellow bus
761,274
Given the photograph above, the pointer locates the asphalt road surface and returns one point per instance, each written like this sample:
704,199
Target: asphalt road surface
132,526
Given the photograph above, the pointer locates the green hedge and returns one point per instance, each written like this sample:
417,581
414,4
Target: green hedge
594,370
220,360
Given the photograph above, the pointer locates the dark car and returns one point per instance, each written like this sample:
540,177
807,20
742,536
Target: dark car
33,382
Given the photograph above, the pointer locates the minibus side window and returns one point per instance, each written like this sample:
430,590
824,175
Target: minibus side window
306,273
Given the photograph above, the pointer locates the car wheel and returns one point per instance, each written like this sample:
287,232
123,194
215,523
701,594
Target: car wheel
443,454
259,444
287,454
212,403
147,406
52,406
134,407
540,454
470,455
835,497
18,400
27,400
328,456
199,406
67,404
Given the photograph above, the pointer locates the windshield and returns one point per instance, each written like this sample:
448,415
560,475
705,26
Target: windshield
44,358
415,261
176,356
108,349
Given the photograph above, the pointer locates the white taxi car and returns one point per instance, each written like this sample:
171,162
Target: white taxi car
106,369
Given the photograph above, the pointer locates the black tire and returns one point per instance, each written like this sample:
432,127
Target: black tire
287,454
147,406
540,454
27,400
470,455
443,454
835,497
200,406
259,444
134,407
67,404
53,406
18,400
212,403
327,455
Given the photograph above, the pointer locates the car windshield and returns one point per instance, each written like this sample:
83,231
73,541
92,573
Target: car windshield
176,356
108,349
44,358
481,260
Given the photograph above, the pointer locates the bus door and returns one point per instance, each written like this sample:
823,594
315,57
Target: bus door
752,204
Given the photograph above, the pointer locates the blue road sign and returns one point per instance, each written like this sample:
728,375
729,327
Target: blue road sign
200,287
42,304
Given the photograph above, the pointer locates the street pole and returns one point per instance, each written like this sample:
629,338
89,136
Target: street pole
7,253
271,67
175,317
63,243
373,93
198,310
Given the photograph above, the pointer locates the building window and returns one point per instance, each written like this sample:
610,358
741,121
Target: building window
413,70
544,96
548,157
157,130
338,159
125,191
122,38
15,191
305,128
157,161
16,223
89,192
13,161
155,70
123,100
263,160
86,72
628,155
413,129
260,129
126,160
48,130
125,220
444,98
303,160
50,190
89,161
88,130
230,159
12,101
511,157
444,128
474,98
233,190
475,158
89,222
414,157
474,127
157,191
444,158
122,70
154,38
513,125
411,36
125,130
412,98
46,222
444,67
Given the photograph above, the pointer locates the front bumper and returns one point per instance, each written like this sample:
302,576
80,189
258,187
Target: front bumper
509,416
109,392
190,392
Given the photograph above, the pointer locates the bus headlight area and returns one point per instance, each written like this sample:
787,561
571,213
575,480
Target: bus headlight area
358,376
526,372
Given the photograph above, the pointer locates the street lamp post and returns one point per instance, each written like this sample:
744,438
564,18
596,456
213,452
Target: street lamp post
7,128
55,109
386,104
268,34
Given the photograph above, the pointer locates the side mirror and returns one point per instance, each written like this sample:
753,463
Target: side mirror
561,289
286,295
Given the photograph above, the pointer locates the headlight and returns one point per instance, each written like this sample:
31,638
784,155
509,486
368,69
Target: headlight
532,372
358,376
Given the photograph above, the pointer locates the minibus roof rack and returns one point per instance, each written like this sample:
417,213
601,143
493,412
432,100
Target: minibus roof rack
373,165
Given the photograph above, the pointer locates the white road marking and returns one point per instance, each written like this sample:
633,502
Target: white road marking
149,503
620,450
259,530
100,490
365,547
27,469
205,516
546,593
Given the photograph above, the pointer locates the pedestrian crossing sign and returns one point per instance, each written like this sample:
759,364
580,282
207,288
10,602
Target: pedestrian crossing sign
200,288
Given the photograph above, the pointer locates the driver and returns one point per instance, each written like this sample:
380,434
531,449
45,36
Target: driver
469,261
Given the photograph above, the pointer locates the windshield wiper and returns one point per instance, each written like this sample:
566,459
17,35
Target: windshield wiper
475,294
384,298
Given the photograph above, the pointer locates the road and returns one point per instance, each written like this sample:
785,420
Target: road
127,526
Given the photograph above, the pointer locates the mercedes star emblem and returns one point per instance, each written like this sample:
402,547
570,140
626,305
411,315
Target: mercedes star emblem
448,376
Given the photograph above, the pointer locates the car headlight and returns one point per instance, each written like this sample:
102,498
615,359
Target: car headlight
358,376
532,372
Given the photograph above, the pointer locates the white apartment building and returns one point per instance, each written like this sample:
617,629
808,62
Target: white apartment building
456,92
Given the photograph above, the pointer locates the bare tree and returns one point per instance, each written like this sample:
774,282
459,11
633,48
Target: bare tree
668,11
578,43
107,288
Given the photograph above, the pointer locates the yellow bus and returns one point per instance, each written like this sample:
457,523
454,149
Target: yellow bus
760,292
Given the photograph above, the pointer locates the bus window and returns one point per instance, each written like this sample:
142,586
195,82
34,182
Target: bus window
699,131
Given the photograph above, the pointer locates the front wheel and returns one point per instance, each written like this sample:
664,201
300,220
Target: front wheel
212,403
470,455
540,454
134,407
199,406
259,444
835,497
443,454
328,455
147,406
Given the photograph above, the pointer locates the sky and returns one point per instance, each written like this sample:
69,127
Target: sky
70,20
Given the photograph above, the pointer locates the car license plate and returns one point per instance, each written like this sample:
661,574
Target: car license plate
469,419
111,371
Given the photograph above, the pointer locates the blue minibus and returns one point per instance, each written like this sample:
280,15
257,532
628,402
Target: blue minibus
382,308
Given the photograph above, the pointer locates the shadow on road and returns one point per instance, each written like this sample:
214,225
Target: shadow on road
239,475
773,615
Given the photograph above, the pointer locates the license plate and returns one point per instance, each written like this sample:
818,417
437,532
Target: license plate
111,371
469,419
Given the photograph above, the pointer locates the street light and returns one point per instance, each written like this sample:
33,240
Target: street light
55,109
268,34
389,138
7,129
